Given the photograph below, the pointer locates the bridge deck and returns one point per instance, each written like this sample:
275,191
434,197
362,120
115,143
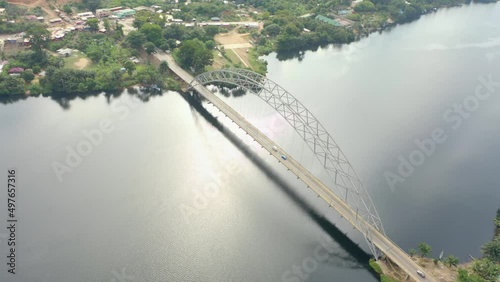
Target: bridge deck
389,248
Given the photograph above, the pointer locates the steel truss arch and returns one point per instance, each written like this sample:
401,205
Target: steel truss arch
348,185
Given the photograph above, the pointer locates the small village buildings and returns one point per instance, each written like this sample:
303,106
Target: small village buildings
101,13
15,71
124,13
65,52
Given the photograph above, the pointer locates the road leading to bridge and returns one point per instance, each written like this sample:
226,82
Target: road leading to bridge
384,244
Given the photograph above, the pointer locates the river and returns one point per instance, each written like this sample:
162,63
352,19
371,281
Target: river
130,188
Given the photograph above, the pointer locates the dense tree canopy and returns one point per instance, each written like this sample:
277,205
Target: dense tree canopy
39,37
153,33
135,39
194,54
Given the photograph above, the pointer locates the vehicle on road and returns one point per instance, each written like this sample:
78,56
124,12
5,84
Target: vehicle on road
419,272
275,149
283,157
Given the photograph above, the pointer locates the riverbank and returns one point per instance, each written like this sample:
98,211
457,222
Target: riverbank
485,269
290,36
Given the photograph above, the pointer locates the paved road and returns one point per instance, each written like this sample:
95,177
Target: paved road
237,45
217,23
388,247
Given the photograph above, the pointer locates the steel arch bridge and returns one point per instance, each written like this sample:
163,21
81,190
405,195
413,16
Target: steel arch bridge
348,186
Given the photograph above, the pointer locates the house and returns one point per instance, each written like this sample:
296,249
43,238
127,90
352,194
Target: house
124,13
31,18
327,20
85,14
15,71
100,13
143,8
65,52
2,11
215,19
56,20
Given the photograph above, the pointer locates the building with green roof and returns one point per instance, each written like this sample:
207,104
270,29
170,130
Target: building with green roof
327,20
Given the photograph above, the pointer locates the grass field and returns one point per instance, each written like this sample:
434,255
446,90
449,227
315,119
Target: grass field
77,61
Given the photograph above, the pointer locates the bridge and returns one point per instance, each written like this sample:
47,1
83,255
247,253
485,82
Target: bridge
349,197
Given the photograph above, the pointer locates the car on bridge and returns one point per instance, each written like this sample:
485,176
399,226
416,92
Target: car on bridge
275,148
283,157
419,272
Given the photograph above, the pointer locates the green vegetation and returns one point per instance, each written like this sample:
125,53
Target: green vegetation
491,250
375,266
111,68
412,252
193,54
486,269
425,249
451,260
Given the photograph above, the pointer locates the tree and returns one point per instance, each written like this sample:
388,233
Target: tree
412,252
135,39
153,33
497,219
194,54
464,276
106,25
91,4
108,79
130,66
212,30
150,47
141,18
93,24
451,260
364,7
94,52
39,37
148,75
272,29
67,9
119,29
210,44
425,249
11,85
491,249
163,68
28,76
292,29
171,43
486,269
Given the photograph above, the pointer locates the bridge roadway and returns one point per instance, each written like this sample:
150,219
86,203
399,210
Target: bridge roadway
384,244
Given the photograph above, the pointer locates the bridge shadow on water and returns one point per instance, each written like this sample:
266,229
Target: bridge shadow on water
354,257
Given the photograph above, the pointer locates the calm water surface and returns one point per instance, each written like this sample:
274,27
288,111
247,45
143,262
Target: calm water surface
130,209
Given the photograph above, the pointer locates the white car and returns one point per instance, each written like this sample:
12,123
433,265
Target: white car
275,149
419,272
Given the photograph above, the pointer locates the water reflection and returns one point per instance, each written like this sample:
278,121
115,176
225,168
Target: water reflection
350,255
65,100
